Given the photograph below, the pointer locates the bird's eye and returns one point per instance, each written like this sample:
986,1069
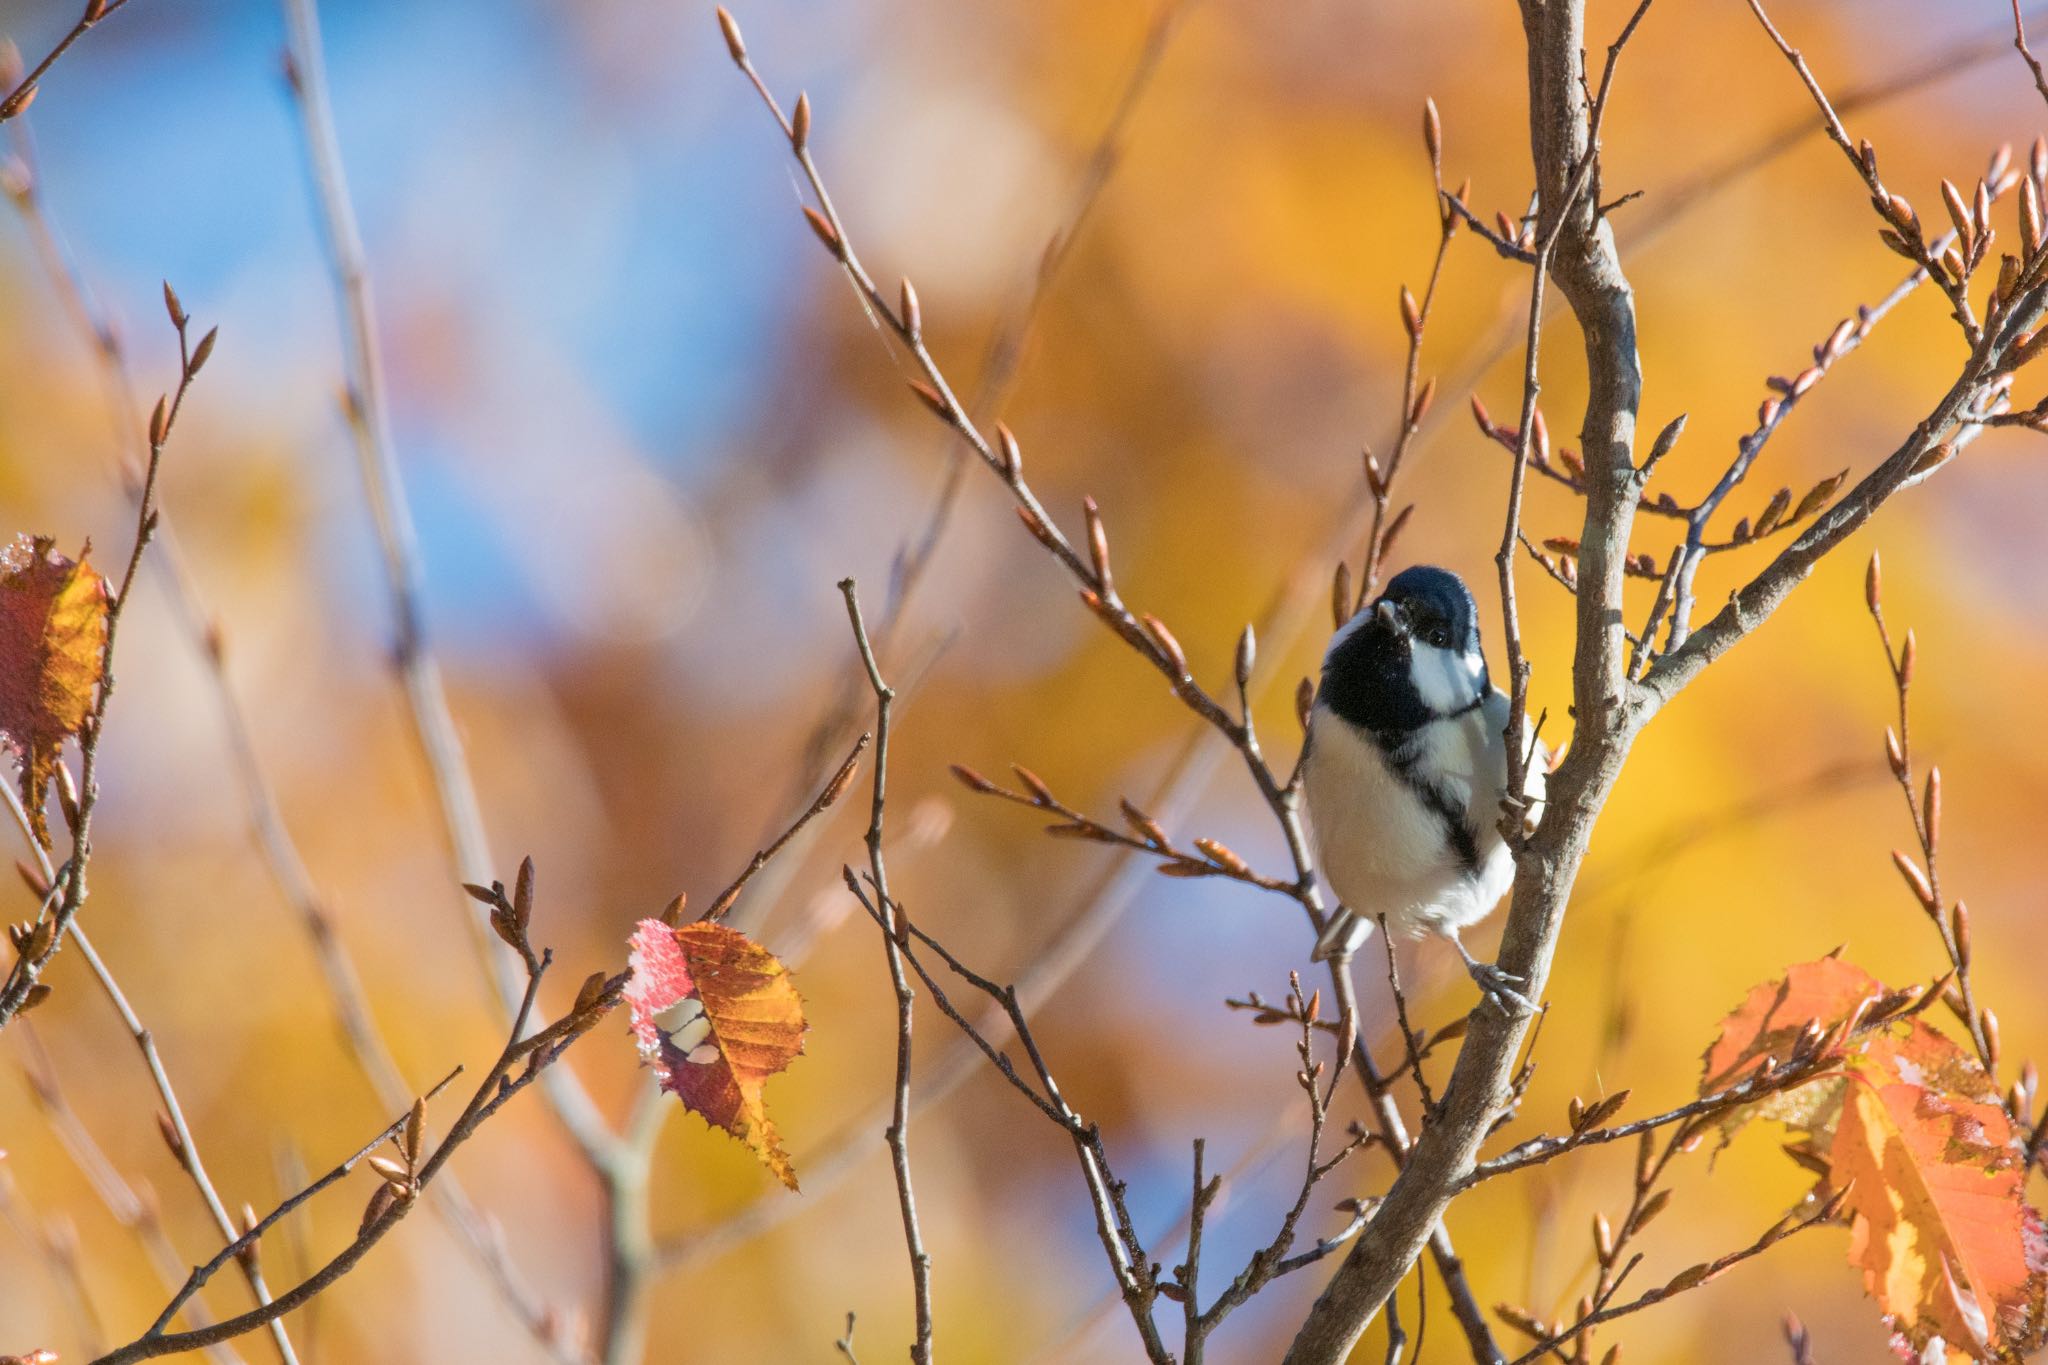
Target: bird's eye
1440,637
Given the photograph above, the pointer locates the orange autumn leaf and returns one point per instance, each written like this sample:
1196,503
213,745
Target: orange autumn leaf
716,1015
1940,1224
53,640
1770,1020
1768,1023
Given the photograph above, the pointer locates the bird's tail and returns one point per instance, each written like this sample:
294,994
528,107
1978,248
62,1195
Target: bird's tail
1342,935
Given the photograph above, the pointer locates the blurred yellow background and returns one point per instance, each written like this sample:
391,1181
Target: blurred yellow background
647,428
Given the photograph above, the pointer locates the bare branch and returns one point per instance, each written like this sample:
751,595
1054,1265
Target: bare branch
891,918
27,87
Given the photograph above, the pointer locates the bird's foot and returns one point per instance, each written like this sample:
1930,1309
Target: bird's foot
1497,985
1499,988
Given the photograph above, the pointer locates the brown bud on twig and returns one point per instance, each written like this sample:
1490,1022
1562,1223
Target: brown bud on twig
1176,657
1916,881
1818,495
1148,829
1898,244
1991,1044
1930,809
971,779
1394,527
203,351
672,913
827,234
1423,402
1952,263
800,123
1432,132
1247,656
588,992
1774,511
1411,314
911,312
933,399
168,1131
1098,546
522,895
1603,1238
414,1132
1482,417
1908,652
1304,698
173,307
1958,212
1040,793
1340,595
1221,855
1011,454
1897,208
1873,584
1524,1321
731,28
2030,217
384,1197
160,421
1959,928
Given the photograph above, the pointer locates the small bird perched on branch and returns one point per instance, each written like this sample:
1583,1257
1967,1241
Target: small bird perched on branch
1407,774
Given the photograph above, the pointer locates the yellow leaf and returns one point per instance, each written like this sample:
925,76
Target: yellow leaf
53,640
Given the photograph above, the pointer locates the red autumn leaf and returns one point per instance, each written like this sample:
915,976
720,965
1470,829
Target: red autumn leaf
1940,1224
53,639
716,1015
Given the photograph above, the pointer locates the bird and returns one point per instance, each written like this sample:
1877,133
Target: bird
1405,774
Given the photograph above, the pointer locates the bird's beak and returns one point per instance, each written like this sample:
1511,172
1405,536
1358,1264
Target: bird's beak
1391,616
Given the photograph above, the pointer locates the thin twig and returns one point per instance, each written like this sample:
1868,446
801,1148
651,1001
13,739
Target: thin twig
22,987
892,924
26,89
2019,40
537,1050
412,659
177,1131
1691,1278
282,857
133,1206
1923,809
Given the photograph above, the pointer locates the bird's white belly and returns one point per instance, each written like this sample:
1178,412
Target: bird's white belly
1383,851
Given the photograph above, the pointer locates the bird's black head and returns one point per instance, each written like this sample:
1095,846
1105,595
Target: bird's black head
1409,658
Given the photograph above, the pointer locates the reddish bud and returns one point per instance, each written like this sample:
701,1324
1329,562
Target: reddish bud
800,123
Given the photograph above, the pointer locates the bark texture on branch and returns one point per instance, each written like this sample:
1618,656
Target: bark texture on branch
1588,272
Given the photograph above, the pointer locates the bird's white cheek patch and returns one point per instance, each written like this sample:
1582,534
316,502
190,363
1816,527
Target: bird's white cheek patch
1445,681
